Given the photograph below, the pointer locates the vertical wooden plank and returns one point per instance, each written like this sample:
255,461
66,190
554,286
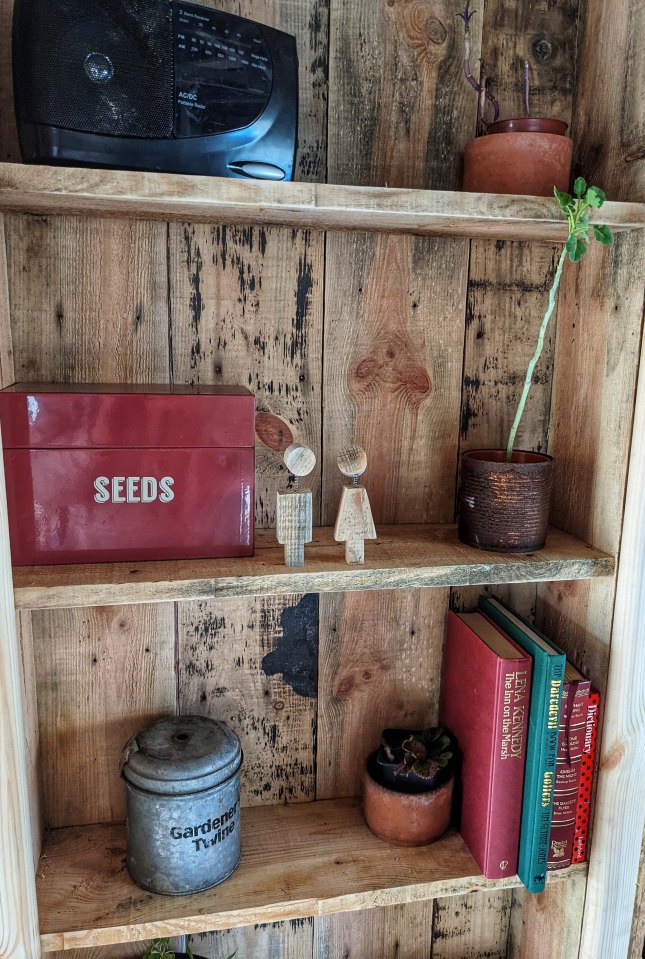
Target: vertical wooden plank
467,927
253,663
552,918
32,742
247,309
507,297
637,937
379,667
103,674
19,823
400,113
614,864
9,150
7,375
389,932
507,294
19,936
277,940
393,353
542,33
400,109
88,300
609,120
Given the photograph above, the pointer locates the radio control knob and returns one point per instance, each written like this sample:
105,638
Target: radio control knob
257,170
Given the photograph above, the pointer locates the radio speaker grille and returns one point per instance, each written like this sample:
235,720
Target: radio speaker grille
96,66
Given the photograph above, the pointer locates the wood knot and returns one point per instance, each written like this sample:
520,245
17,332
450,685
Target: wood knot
391,367
542,49
436,31
273,432
614,756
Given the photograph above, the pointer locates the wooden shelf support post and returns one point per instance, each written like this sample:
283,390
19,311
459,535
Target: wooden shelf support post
19,933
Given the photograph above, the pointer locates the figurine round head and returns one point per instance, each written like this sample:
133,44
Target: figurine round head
299,459
352,461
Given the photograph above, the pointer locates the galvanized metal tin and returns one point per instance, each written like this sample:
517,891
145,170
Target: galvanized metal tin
182,780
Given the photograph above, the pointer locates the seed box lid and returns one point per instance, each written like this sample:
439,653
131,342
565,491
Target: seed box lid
53,416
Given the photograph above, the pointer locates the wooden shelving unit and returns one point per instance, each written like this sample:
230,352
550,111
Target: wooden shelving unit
308,859
402,557
412,346
318,206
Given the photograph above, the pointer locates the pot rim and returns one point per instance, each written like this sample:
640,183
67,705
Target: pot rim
407,799
497,457
523,120
514,137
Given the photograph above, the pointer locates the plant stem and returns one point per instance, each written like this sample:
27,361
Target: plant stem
535,357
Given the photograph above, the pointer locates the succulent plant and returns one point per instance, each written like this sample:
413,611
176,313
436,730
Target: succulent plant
423,753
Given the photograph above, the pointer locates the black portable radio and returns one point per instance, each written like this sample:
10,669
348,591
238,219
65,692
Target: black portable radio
154,85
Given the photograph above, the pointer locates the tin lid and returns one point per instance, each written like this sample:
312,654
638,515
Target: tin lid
181,755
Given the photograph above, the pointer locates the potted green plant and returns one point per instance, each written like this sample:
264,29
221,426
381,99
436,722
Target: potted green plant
505,494
161,949
524,155
407,785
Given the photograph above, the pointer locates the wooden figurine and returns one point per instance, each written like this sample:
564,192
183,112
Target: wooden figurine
294,526
354,523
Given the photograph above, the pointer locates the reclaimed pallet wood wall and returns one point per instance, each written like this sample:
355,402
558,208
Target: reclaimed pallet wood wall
336,334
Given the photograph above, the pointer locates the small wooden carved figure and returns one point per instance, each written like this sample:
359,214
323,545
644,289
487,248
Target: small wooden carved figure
294,511
354,523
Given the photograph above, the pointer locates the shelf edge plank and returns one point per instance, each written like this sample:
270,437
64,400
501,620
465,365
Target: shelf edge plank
308,859
403,557
323,206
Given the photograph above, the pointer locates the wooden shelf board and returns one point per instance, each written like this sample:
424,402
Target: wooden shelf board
402,557
60,190
308,859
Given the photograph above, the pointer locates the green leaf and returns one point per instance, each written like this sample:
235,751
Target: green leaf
580,186
603,234
576,249
565,200
595,197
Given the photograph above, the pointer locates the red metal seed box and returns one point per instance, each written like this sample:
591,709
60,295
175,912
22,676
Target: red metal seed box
128,473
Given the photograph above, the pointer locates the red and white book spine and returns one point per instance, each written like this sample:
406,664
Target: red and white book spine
581,828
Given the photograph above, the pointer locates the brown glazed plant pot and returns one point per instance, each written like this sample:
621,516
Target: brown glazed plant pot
530,164
405,819
503,506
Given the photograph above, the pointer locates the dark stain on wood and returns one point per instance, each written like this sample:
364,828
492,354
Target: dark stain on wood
295,655
194,266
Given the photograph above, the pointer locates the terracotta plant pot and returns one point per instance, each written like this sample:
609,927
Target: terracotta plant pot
528,125
389,773
404,819
529,164
504,506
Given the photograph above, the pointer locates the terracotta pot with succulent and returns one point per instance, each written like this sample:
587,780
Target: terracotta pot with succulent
407,786
526,155
505,494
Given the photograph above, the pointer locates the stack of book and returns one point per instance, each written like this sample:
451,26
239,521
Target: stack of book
525,722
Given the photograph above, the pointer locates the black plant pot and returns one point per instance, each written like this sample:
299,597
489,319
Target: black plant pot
388,771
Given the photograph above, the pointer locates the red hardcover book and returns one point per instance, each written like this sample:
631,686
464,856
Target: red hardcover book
485,704
581,828
571,740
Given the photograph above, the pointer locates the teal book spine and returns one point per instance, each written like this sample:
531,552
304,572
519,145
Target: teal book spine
541,744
